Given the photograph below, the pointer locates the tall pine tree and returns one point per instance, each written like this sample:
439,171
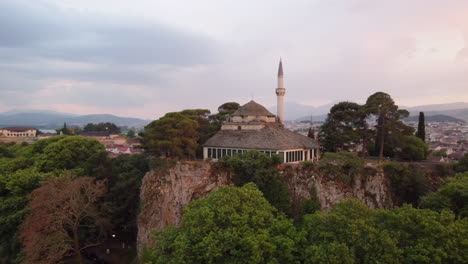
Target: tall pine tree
421,133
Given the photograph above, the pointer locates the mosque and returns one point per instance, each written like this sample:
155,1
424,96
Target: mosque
253,127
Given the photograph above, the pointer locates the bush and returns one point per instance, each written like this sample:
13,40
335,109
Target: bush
453,195
344,164
257,167
408,182
230,225
414,149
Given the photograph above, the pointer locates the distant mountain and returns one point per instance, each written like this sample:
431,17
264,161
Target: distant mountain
35,111
294,111
436,107
301,112
53,120
435,118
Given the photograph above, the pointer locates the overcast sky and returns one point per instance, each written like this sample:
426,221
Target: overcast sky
143,58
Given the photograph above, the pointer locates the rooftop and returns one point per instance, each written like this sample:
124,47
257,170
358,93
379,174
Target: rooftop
272,137
252,109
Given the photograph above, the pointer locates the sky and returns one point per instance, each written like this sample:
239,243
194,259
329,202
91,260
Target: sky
143,58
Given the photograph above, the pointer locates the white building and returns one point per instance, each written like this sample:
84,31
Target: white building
18,132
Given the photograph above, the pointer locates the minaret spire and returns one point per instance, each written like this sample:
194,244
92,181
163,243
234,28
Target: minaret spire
280,92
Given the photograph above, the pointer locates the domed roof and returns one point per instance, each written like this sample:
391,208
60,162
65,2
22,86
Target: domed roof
252,109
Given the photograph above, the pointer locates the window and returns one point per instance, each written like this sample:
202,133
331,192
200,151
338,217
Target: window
229,152
239,128
224,152
218,153
209,153
281,155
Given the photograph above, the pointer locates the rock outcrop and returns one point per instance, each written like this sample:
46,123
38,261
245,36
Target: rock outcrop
164,194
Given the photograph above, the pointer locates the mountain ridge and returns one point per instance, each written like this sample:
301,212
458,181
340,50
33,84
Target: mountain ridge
51,120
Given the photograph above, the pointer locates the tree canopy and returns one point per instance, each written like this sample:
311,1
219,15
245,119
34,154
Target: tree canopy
389,126
453,195
55,222
257,167
231,225
345,127
108,127
414,149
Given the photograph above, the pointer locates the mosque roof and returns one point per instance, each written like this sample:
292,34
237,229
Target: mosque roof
252,109
271,137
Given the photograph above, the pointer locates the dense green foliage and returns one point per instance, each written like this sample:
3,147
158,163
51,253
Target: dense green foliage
231,225
421,132
124,190
390,129
173,135
347,127
257,167
236,225
344,128
344,165
23,168
413,149
181,134
408,182
462,164
108,127
453,195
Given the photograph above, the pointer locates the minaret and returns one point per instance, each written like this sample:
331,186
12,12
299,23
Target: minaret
280,91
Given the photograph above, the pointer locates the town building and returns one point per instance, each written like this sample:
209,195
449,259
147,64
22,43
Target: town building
253,127
18,132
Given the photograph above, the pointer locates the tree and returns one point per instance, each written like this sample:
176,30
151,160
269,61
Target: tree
131,133
230,225
257,167
347,234
408,183
173,135
126,177
421,132
55,222
462,164
83,155
414,149
224,111
388,117
453,195
108,127
353,233
343,128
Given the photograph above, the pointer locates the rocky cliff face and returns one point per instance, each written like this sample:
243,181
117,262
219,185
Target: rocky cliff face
371,187
164,194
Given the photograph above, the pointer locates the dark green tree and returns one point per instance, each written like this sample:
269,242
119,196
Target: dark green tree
257,167
453,195
108,127
173,135
389,126
462,164
131,133
126,177
409,183
230,225
421,132
83,156
414,149
344,128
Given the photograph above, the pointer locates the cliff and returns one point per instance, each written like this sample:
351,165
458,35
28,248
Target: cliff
164,194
